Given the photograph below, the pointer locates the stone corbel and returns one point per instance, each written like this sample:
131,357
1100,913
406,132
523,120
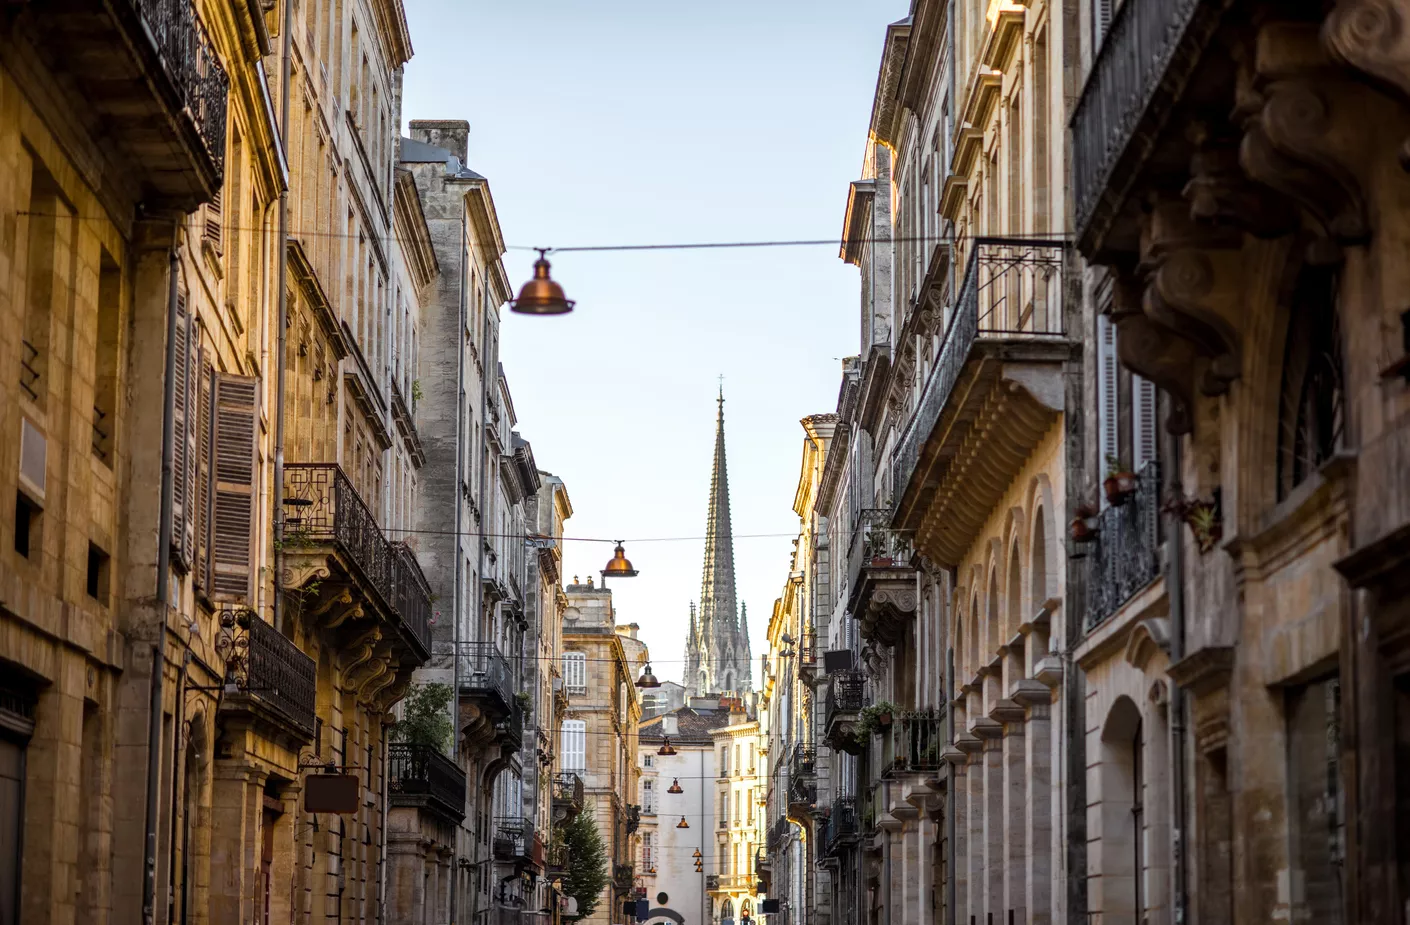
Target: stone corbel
1312,137
1148,637
1195,288
361,650
1154,353
395,690
1220,192
1373,36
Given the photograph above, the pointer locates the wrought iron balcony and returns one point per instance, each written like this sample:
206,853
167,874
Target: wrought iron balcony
556,859
485,677
1143,60
633,818
914,742
623,876
1126,556
995,390
881,583
323,509
808,656
846,695
147,72
510,730
842,828
513,839
778,832
279,683
567,794
419,775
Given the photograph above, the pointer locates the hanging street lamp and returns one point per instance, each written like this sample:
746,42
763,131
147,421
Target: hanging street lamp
667,749
682,824
675,786
647,679
619,566
541,295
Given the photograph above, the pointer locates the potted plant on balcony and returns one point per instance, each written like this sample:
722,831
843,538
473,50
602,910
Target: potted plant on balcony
1120,482
425,717
1204,518
526,702
1084,523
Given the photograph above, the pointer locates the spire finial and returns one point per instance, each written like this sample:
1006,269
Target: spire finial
722,389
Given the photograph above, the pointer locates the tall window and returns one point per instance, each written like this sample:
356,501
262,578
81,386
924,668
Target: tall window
575,672
648,798
1126,406
574,745
1310,413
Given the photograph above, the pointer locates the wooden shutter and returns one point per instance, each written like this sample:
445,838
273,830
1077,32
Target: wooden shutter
1108,410
574,736
212,231
205,473
1143,417
1101,20
192,440
232,541
181,446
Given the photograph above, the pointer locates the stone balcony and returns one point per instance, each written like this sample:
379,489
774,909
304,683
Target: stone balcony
490,711
846,695
515,842
272,685
881,580
339,567
996,389
151,84
420,776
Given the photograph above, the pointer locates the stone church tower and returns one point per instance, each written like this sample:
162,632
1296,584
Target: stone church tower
717,647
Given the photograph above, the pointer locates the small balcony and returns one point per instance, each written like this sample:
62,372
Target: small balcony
145,70
486,679
914,742
276,683
327,522
842,828
420,776
1125,556
846,695
556,859
515,842
880,578
633,818
994,392
623,877
808,657
802,780
567,796
778,833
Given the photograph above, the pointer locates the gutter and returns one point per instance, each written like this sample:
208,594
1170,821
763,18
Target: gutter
1175,593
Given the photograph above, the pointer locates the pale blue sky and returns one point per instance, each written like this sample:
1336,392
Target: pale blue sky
650,121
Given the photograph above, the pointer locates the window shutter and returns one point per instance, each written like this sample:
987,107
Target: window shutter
205,473
212,232
1143,414
232,541
192,454
1107,396
574,737
182,529
1101,16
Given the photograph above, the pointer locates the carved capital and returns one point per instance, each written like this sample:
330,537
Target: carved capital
1372,36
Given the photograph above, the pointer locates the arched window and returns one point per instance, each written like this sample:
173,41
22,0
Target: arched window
1015,601
1311,413
1039,578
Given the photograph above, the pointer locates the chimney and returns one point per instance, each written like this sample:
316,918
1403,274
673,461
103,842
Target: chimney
668,725
451,134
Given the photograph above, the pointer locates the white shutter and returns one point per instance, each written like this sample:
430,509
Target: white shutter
1101,19
574,738
1143,418
1108,409
575,672
232,555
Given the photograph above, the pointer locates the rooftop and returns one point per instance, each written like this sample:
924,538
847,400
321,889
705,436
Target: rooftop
694,726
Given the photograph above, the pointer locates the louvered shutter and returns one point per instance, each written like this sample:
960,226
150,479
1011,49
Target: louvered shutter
574,736
232,541
1143,417
1101,17
1107,396
193,393
212,232
205,473
181,445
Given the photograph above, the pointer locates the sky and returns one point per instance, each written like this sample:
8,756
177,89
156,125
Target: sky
604,122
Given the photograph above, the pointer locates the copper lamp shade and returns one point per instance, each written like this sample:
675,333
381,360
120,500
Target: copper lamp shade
647,679
541,295
697,855
667,749
675,786
682,824
619,566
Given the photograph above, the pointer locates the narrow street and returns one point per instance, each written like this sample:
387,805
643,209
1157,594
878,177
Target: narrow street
1041,369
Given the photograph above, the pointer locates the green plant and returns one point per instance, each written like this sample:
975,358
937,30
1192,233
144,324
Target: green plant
587,877
1114,466
415,390
869,721
425,717
526,702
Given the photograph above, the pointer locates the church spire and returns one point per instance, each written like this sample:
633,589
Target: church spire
717,655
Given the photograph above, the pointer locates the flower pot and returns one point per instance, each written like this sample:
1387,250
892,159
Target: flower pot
881,561
1119,486
883,720
1082,531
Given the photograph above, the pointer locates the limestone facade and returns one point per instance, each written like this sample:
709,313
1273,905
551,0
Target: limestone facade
740,800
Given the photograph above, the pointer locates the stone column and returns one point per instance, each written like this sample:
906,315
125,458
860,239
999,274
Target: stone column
1015,820
284,896
51,801
1037,814
237,801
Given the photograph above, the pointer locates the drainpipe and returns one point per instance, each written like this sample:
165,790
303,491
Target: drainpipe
1175,591
277,495
382,841
180,708
459,567
951,863
154,727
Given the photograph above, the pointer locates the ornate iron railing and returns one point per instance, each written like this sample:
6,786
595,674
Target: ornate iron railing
411,594
191,64
804,761
568,790
841,823
846,693
485,672
1130,68
778,832
322,506
633,818
1012,289
1126,557
417,773
916,740
29,370
807,651
623,875
513,838
280,676
873,543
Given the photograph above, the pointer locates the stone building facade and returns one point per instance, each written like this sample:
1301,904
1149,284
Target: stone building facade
740,799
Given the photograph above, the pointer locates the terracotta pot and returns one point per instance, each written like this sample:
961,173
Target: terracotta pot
881,561
1081,532
1119,486
883,720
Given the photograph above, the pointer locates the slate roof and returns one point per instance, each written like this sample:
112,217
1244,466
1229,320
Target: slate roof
694,725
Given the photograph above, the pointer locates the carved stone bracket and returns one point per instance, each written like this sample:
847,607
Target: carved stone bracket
1154,353
1373,36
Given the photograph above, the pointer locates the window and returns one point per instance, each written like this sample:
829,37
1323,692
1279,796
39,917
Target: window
648,761
724,760
575,672
1310,413
574,745
97,574
1316,817
648,798
1126,407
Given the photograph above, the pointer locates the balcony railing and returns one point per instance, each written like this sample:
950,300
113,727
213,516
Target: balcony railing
280,677
191,64
622,876
421,775
1129,71
633,818
841,823
915,740
568,791
873,544
807,653
1012,290
321,506
1127,553
484,672
513,838
846,693
778,832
